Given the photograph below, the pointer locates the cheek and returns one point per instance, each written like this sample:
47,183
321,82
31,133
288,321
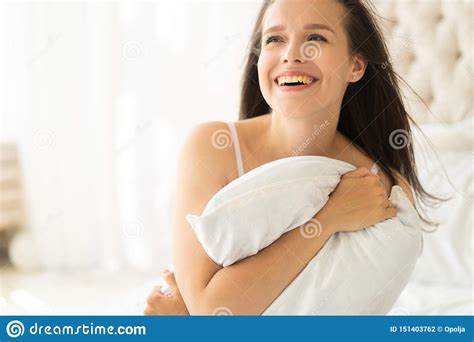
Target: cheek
264,81
337,79
334,67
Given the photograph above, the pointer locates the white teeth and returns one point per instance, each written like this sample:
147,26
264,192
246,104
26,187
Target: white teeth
292,79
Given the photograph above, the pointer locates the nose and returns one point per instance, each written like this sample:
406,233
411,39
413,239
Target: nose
292,54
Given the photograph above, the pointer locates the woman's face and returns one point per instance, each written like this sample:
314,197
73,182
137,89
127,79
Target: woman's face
305,38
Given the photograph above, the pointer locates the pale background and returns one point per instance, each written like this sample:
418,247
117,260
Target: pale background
97,98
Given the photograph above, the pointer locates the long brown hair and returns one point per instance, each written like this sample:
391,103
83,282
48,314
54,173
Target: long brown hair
369,118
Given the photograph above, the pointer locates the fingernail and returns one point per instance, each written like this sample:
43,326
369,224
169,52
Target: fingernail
166,271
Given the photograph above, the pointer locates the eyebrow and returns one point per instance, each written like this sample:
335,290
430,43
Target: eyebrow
306,27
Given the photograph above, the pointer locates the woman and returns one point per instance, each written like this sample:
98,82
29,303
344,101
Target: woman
311,64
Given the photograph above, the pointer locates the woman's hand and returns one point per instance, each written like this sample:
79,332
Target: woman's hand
159,304
359,201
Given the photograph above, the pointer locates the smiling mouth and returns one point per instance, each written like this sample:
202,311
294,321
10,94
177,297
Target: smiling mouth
291,81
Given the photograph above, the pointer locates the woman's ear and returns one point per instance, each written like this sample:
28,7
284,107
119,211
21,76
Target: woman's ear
359,64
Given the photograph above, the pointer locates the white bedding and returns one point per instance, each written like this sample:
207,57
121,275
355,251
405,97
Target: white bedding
121,294
357,273
434,299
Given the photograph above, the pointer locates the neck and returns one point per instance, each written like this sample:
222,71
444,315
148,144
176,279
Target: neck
312,135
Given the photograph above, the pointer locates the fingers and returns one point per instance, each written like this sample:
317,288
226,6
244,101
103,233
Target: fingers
375,175
157,289
170,279
155,293
360,172
149,311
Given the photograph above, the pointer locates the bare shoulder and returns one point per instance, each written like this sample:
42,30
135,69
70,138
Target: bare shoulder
403,183
206,151
200,175
208,138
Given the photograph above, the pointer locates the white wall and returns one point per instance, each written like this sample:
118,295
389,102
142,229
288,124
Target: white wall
99,97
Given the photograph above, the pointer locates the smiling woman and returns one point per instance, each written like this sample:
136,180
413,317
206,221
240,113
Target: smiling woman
339,47
310,62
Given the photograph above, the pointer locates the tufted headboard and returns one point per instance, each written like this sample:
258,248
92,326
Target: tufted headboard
431,44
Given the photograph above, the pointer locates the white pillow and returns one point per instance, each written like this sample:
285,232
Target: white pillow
282,193
361,272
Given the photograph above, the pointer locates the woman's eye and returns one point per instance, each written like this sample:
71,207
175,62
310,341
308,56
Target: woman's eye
317,37
272,39
275,39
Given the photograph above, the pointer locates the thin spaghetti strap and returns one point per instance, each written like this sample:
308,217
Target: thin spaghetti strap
235,140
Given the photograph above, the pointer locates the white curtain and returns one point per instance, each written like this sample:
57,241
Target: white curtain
98,97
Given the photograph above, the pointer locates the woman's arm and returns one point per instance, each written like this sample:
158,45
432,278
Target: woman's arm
249,286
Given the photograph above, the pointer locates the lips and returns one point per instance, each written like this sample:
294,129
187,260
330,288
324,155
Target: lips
295,76
295,81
